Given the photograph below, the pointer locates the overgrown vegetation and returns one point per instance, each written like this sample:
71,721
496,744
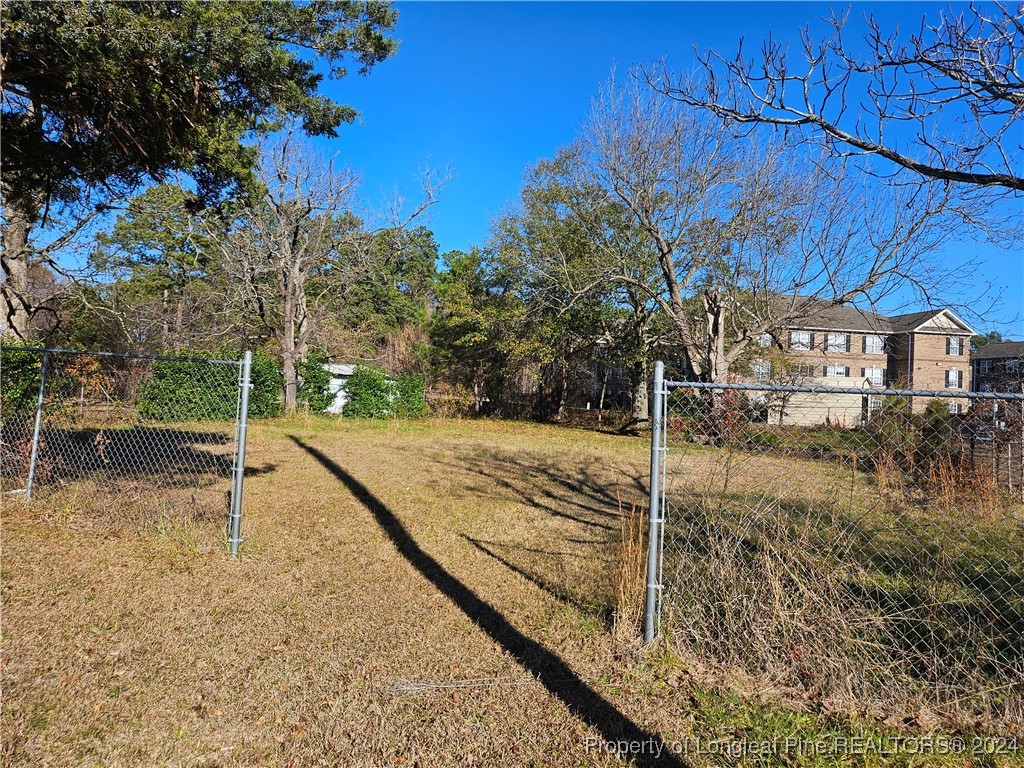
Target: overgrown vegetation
864,567
314,392
189,391
372,394
192,390
630,576
19,379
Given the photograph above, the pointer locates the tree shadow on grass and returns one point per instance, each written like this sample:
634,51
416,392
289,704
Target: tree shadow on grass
537,578
578,494
550,670
156,457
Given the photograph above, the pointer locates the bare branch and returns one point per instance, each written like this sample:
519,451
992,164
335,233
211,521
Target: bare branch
957,82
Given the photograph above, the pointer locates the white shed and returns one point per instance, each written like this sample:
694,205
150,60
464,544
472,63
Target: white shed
340,373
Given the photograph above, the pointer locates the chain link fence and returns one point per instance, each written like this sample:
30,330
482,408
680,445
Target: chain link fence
134,436
862,549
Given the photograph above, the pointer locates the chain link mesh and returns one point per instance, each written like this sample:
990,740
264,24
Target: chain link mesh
132,437
853,548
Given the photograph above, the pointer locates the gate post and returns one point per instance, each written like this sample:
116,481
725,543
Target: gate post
235,523
654,510
37,428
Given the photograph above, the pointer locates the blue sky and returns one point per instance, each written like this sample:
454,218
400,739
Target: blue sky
488,88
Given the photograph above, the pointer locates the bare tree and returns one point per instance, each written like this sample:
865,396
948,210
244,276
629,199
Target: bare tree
289,248
564,239
749,237
945,102
38,261
294,249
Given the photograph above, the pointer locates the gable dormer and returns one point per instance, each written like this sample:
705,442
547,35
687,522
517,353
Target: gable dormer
943,322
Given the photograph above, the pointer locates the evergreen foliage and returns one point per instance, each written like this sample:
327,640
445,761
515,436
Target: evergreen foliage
195,390
373,395
315,379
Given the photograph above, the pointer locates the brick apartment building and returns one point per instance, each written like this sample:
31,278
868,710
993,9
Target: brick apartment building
849,347
998,367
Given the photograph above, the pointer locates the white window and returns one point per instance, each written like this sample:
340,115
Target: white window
954,345
762,371
1012,365
875,375
799,340
836,371
804,370
874,345
956,407
954,379
984,366
764,340
837,342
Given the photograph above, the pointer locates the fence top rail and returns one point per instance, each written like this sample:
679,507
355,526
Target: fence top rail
129,355
822,389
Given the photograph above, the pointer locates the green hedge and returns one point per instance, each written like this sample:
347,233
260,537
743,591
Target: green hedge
372,395
412,400
20,372
314,390
267,382
192,390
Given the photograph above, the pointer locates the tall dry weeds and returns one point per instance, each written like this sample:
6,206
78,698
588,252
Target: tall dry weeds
959,484
630,571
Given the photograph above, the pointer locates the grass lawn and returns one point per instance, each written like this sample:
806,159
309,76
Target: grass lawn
421,593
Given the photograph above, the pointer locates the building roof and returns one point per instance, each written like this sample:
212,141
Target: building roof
822,315
912,320
340,369
998,351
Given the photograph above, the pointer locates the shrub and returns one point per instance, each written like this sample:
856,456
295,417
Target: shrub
314,391
185,390
193,390
267,382
371,394
936,432
893,431
20,371
412,401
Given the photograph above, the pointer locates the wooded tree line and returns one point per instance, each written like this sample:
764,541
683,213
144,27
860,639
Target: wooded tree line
204,219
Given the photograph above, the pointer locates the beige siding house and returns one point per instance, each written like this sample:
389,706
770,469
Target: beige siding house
848,347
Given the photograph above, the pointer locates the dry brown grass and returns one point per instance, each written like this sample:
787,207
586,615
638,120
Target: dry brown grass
130,641
433,594
850,590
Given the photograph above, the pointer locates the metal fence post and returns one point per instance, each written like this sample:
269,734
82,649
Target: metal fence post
235,524
654,510
38,427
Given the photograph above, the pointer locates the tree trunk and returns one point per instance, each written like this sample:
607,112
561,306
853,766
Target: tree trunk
477,379
714,309
291,399
640,413
179,317
563,391
604,390
165,320
16,264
